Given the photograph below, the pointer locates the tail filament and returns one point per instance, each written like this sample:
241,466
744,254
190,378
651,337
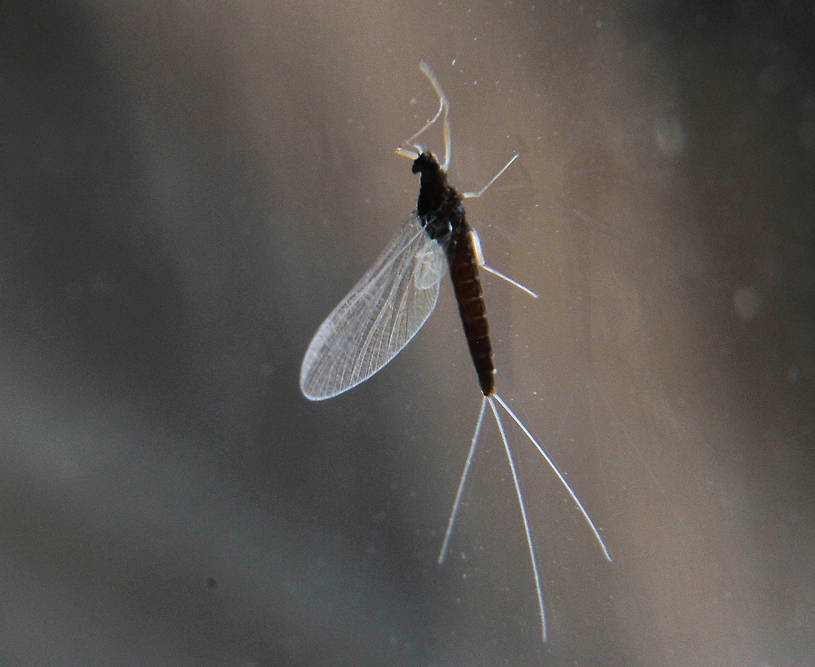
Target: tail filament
492,399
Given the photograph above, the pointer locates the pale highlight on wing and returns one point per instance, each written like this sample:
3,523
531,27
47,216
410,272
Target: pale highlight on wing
377,318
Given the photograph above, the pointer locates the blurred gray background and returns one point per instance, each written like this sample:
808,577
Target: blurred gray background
189,188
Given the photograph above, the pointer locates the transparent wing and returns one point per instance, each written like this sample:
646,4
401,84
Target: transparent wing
378,317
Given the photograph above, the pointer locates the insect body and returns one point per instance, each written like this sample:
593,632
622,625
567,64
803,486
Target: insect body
441,214
391,302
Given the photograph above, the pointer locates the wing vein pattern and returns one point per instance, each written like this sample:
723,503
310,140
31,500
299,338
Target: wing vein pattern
378,317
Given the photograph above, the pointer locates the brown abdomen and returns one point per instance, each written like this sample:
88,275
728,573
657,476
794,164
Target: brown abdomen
471,306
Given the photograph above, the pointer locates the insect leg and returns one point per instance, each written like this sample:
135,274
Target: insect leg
479,257
444,108
478,193
443,105
462,482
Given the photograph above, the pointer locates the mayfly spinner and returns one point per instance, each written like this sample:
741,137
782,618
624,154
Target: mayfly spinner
392,301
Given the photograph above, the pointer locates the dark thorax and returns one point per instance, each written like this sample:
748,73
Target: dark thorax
439,206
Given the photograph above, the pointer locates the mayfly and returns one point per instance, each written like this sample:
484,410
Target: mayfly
392,301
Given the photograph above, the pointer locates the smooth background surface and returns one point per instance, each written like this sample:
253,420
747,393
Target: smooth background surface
189,188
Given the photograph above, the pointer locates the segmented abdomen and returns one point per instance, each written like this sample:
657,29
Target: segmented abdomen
464,273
